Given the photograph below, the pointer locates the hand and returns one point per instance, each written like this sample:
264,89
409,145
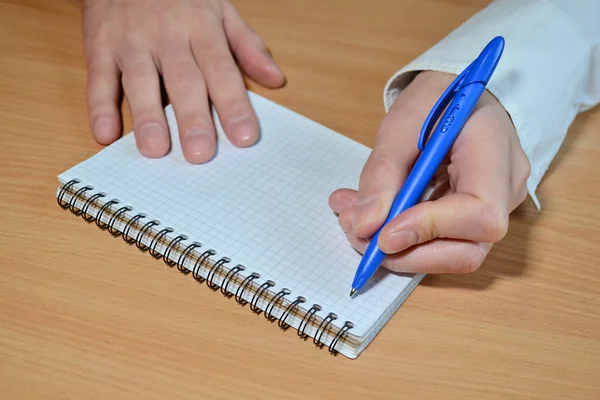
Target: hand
482,183
188,42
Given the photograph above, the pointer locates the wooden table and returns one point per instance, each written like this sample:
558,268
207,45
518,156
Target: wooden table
84,316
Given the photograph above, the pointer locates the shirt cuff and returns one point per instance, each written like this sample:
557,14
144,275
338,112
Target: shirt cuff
539,79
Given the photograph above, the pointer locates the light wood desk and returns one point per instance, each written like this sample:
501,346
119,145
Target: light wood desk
84,316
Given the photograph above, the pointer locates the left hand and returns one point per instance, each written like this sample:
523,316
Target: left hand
483,182
199,48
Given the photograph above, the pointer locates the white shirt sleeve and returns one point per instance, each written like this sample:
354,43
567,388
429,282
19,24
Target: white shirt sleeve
549,71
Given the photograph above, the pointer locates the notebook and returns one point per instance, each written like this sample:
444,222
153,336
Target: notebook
253,224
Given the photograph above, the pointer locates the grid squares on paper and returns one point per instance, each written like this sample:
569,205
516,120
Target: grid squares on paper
265,207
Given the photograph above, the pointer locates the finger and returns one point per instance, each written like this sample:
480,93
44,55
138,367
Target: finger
441,189
479,210
442,256
141,86
103,96
225,85
456,216
185,85
250,50
342,199
345,220
359,244
479,161
436,257
389,163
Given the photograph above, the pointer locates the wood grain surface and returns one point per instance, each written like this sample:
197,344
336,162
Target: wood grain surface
82,315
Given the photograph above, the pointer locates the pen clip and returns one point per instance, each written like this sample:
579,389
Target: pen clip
480,70
439,108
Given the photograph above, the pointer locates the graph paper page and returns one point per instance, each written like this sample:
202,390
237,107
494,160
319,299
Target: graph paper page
265,207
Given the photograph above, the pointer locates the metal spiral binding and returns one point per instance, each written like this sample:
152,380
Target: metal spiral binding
275,300
282,324
341,334
327,321
232,272
202,261
184,255
127,227
307,317
258,294
156,240
101,212
170,246
138,239
87,217
115,218
240,291
213,271
74,199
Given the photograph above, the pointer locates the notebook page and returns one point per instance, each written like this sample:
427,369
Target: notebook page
265,207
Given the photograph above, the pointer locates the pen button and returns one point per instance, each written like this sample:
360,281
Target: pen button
449,120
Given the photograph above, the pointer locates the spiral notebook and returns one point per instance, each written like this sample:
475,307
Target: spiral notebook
253,224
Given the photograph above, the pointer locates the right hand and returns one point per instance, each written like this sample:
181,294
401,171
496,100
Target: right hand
481,182
194,45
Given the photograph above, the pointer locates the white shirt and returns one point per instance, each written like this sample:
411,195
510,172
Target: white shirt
549,71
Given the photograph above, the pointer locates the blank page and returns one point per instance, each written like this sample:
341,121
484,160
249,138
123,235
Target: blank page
265,207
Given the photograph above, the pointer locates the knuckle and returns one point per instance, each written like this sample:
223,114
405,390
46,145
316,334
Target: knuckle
194,116
193,119
380,167
395,264
524,170
96,32
249,41
180,75
452,169
494,222
429,229
522,165
96,74
207,14
137,69
522,195
471,261
520,176
214,66
145,116
345,221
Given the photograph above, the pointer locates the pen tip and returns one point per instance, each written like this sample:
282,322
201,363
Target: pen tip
352,292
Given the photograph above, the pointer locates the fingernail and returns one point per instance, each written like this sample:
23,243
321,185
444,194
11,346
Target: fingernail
242,129
400,240
152,135
365,210
103,129
197,141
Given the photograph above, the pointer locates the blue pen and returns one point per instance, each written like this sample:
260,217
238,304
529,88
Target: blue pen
458,100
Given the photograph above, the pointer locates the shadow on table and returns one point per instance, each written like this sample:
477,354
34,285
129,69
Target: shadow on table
508,258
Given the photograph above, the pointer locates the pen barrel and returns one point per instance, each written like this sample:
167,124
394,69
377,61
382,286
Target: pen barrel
439,145
437,148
